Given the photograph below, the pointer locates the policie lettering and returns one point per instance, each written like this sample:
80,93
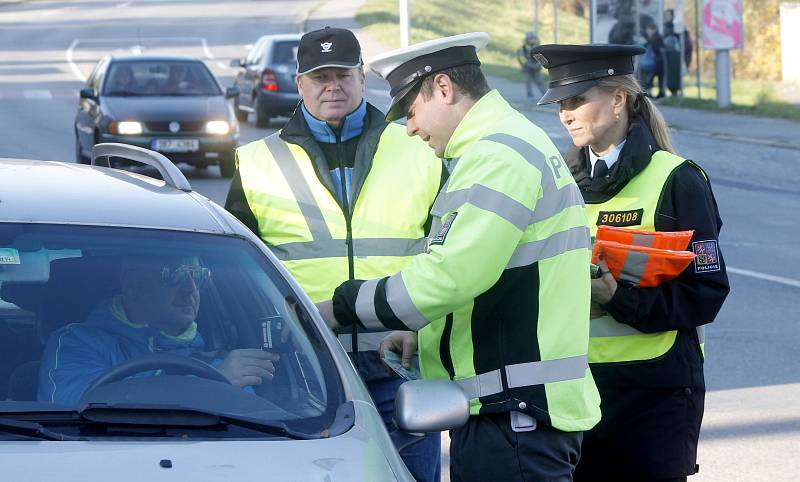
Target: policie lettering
620,218
556,163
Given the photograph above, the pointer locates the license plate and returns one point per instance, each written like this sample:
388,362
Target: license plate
176,145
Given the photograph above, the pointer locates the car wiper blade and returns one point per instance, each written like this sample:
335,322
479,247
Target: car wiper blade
33,429
177,415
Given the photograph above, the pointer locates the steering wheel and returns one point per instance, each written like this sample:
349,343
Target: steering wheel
179,365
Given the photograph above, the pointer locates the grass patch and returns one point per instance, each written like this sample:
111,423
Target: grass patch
752,97
506,21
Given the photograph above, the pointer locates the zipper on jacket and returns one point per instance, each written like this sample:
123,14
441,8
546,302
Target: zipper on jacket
444,347
349,239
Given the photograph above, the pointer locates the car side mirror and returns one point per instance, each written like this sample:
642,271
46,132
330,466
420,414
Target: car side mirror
88,93
430,406
232,92
237,63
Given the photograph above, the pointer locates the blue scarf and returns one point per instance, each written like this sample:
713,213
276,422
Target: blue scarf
351,126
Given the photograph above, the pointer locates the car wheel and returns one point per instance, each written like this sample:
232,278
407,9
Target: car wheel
241,115
79,157
262,119
227,167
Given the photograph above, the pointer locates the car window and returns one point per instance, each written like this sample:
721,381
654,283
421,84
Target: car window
254,56
284,52
96,77
78,303
159,78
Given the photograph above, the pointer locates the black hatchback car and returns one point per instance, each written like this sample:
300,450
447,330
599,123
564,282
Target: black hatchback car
266,79
170,104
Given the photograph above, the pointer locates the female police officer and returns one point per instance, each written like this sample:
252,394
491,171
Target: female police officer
646,345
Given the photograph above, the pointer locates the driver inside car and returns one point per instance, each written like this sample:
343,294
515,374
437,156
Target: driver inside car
155,312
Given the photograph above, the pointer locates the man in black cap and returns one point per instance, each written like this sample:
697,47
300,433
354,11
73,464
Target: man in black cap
341,193
499,302
646,343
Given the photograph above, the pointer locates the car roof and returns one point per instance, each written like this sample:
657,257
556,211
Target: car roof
67,193
154,58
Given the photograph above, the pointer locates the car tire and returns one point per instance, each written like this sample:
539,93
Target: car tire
262,119
241,115
227,167
79,157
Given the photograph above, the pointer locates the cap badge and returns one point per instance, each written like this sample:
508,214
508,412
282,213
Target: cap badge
610,71
326,47
542,60
427,68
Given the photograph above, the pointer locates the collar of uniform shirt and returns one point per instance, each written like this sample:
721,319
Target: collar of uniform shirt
610,158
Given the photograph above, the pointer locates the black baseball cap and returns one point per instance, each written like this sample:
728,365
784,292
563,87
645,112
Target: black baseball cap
574,69
328,47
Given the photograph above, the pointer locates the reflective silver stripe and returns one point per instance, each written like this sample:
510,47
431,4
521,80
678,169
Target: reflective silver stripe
645,240
400,302
633,269
554,200
606,326
487,199
335,248
547,371
302,193
558,243
701,334
366,341
365,307
525,375
482,385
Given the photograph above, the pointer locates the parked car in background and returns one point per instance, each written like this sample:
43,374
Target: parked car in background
266,79
89,392
170,104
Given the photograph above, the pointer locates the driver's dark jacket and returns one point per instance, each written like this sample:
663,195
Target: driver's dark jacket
78,354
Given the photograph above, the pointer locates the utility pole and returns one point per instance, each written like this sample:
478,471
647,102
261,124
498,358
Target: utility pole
405,23
698,43
536,17
723,61
555,21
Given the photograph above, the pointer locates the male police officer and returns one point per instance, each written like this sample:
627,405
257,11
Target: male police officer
500,300
340,193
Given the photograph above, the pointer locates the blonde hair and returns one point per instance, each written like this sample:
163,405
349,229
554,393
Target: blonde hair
637,103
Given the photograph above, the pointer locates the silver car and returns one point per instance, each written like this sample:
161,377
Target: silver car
124,300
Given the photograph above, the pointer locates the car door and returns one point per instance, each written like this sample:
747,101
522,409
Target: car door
89,109
252,73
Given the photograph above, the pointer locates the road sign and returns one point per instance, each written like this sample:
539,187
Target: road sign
722,24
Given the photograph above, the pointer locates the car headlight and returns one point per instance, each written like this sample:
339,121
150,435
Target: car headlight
127,128
218,127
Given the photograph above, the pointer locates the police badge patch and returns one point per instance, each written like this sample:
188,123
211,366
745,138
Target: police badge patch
439,238
706,256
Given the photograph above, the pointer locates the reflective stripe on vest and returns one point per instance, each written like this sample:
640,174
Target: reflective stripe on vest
304,226
525,375
611,341
366,341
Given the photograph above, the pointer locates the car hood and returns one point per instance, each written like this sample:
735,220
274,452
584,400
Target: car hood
166,108
353,456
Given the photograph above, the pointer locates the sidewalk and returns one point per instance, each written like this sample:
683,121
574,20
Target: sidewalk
722,125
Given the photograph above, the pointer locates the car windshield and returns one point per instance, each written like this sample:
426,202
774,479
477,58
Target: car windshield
159,78
285,52
125,317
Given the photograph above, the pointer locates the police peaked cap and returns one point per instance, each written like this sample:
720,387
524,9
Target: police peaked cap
404,68
574,69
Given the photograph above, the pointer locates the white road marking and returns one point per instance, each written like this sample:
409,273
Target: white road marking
75,70
764,276
37,94
379,92
210,55
123,5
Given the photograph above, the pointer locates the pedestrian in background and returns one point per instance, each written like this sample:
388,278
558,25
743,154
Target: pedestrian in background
340,193
531,70
646,345
500,300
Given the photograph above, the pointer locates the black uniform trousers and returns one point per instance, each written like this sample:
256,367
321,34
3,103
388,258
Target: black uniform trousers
646,434
487,449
